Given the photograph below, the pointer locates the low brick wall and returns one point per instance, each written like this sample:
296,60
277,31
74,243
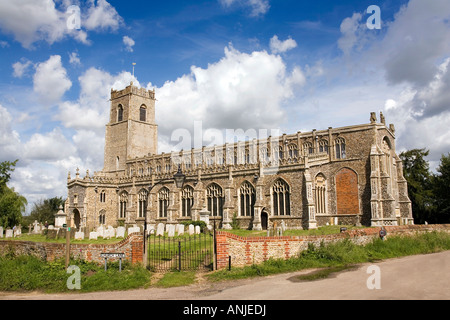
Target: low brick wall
132,246
254,250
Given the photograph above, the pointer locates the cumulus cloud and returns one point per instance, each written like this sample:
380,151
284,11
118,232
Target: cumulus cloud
129,43
241,90
9,138
51,81
30,21
21,67
277,46
102,16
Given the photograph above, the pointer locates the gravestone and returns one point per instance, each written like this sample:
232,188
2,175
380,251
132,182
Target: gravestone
93,235
112,231
79,235
167,227
133,230
171,232
100,231
180,229
120,232
8,233
1,232
191,229
160,229
197,229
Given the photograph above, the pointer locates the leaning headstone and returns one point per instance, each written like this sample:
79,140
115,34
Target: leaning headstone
171,232
191,229
93,235
197,229
180,229
120,232
79,235
8,233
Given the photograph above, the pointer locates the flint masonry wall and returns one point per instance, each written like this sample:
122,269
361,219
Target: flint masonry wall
132,247
254,250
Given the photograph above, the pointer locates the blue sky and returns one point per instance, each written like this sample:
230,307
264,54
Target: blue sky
232,64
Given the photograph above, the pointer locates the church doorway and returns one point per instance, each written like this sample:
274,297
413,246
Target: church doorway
264,220
76,218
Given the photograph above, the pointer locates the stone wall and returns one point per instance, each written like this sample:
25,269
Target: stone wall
132,246
254,250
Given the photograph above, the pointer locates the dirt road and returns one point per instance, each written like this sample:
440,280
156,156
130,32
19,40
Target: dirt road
420,277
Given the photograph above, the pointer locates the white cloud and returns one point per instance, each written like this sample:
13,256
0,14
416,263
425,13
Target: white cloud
9,139
102,16
50,80
129,43
49,147
241,91
352,30
257,7
74,58
20,68
30,21
277,46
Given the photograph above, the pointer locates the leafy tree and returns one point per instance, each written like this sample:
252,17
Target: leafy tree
420,184
6,167
12,204
45,210
441,189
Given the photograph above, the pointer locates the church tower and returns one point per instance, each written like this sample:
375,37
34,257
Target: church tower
131,131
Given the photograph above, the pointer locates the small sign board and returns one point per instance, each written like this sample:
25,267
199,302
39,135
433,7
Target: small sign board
65,225
382,233
113,255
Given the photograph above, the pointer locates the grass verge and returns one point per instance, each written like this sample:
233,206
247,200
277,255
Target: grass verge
342,253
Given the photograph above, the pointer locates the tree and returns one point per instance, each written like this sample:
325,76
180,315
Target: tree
6,167
441,189
416,171
45,210
12,204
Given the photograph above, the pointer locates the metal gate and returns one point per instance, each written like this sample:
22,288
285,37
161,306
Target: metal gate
195,252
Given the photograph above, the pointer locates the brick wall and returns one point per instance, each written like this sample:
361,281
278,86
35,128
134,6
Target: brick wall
132,246
254,250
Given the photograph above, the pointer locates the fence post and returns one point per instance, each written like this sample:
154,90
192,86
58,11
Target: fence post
179,256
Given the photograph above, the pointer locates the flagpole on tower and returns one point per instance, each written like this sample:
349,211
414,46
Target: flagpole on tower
134,63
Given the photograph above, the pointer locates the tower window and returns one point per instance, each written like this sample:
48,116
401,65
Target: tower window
120,113
143,114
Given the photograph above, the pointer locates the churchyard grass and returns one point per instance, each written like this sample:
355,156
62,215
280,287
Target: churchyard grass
28,273
324,230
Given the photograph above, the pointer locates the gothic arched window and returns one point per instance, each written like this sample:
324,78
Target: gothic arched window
323,146
340,148
163,202
143,113
142,204
187,201
123,205
320,194
281,198
215,197
120,113
247,199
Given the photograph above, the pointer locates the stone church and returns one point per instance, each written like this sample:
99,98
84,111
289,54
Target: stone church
349,175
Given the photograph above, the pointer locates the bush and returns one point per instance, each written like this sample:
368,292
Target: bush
201,224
